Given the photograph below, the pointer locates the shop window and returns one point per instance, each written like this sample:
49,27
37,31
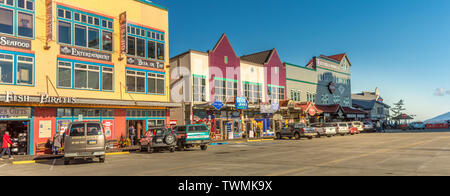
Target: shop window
155,83
24,70
64,74
64,32
107,41
6,68
80,35
108,78
199,89
7,2
94,38
151,49
64,113
6,21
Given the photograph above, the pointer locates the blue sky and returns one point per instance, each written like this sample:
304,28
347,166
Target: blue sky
400,46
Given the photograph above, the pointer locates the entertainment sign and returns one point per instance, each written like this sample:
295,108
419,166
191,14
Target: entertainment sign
15,42
66,50
145,63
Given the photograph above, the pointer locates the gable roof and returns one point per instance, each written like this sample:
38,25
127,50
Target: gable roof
260,57
222,38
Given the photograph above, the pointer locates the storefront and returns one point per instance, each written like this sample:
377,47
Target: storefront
18,122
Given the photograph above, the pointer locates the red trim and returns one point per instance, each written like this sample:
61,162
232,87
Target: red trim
137,24
84,10
16,49
145,68
83,59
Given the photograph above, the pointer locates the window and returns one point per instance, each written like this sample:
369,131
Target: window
253,92
25,24
107,76
140,47
160,51
24,70
94,129
131,45
80,35
64,32
94,38
155,83
6,68
225,90
295,95
199,89
87,77
151,49
6,21
77,130
135,81
107,41
64,74
276,93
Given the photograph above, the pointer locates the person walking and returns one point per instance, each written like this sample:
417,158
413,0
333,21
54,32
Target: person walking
6,145
57,141
378,126
132,131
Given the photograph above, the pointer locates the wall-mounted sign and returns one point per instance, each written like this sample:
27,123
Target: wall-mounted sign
13,112
145,63
66,50
312,112
331,87
123,33
217,104
49,21
15,42
45,129
44,98
241,103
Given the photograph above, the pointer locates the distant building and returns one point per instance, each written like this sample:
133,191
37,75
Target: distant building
373,103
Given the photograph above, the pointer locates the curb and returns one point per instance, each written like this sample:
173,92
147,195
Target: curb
22,162
117,153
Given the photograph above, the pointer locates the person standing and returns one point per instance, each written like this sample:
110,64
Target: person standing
132,131
57,141
6,145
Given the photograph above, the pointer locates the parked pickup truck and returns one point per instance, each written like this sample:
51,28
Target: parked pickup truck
190,136
324,130
296,131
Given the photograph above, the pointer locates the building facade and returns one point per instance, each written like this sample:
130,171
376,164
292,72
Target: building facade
69,60
203,81
373,104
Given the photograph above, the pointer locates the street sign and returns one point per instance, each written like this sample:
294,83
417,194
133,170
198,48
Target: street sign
217,104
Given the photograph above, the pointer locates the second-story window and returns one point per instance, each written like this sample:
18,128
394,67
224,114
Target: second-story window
17,18
145,43
89,30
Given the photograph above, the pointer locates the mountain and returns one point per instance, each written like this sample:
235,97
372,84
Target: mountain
441,118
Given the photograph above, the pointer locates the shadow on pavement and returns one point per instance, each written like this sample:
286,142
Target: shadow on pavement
60,162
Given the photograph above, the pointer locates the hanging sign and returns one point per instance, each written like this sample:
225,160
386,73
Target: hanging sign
241,103
49,21
217,104
123,33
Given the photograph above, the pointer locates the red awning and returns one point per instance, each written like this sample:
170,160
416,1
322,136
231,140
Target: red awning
328,108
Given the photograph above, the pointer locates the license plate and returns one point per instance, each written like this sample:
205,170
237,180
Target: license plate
84,154
92,142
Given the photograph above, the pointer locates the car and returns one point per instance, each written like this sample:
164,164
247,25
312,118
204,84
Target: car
369,126
296,131
324,129
352,128
341,128
358,125
158,139
417,125
194,135
84,140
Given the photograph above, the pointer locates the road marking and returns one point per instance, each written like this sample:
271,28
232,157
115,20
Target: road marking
117,153
355,157
2,165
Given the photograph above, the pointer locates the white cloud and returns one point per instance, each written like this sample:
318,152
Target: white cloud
440,92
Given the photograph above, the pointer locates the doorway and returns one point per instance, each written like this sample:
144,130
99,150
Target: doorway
18,132
139,126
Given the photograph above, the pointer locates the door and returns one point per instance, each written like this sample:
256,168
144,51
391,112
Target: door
95,138
76,141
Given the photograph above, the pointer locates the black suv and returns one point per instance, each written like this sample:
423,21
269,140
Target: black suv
158,139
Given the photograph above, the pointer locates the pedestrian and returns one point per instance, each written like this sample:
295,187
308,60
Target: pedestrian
132,131
258,132
6,145
57,141
378,126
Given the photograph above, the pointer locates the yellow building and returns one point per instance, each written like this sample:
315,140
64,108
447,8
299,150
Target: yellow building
68,60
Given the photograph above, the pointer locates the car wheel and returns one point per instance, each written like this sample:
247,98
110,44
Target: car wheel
297,136
310,138
172,149
180,146
101,159
204,147
66,161
149,149
279,136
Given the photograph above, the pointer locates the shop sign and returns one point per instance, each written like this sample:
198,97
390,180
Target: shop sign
217,104
49,21
66,50
44,98
13,112
15,42
145,63
312,112
123,33
241,103
45,129
108,127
